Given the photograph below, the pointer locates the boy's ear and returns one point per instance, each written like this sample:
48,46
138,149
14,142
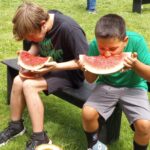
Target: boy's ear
125,39
43,23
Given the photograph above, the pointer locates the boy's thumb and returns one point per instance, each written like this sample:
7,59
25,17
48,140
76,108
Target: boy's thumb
134,55
18,52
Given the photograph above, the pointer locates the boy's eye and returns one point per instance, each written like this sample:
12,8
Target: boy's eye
108,49
112,49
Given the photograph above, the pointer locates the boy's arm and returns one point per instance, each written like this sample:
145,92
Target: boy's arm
53,66
34,49
140,68
68,65
90,77
75,64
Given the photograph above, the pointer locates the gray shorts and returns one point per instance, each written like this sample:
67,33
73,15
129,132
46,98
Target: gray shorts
134,102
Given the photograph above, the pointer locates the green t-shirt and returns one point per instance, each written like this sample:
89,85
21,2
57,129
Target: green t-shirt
130,78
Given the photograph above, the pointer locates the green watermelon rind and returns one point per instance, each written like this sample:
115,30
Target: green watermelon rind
32,68
105,71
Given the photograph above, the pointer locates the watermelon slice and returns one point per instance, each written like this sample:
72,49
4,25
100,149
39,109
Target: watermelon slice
28,74
104,65
31,62
47,147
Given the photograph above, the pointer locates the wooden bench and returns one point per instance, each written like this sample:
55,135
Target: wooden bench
137,5
110,130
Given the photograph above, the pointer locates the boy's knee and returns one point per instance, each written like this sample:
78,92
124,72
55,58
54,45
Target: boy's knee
17,82
142,127
89,113
27,85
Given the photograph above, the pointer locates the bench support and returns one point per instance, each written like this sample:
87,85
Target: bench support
137,5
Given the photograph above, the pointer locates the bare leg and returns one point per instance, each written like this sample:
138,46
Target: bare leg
142,132
90,119
17,101
34,103
91,128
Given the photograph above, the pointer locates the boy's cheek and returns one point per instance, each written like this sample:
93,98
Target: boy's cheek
101,51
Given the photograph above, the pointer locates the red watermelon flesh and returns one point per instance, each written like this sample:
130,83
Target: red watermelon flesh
28,75
31,62
104,65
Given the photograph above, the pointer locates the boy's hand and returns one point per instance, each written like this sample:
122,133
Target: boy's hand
81,65
49,66
129,62
18,52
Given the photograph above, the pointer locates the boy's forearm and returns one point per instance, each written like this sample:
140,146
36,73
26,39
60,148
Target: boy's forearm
69,65
142,69
90,77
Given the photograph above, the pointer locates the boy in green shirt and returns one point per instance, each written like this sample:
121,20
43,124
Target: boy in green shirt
128,88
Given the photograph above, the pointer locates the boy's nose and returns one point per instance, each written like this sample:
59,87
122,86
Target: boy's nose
107,53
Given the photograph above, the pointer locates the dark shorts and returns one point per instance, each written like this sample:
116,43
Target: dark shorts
134,102
56,81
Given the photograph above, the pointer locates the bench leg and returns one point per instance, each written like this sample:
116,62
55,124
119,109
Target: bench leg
114,124
110,131
137,4
11,73
145,1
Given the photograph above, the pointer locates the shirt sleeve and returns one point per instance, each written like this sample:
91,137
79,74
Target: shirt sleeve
143,51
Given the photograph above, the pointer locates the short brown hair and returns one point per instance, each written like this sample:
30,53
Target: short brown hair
111,26
27,19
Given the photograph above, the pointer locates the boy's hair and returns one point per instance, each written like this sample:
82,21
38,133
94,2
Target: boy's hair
111,26
27,20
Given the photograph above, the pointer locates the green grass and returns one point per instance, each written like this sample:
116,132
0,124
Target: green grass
63,120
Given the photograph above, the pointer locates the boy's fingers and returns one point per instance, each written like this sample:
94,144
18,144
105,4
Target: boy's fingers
50,63
18,52
39,70
134,55
128,61
128,64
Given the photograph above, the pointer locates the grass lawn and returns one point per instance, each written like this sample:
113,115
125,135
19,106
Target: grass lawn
63,120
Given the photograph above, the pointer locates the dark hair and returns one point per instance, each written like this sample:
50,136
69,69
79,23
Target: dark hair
109,26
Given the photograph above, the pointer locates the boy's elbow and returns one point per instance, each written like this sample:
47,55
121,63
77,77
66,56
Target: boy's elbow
90,80
90,77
